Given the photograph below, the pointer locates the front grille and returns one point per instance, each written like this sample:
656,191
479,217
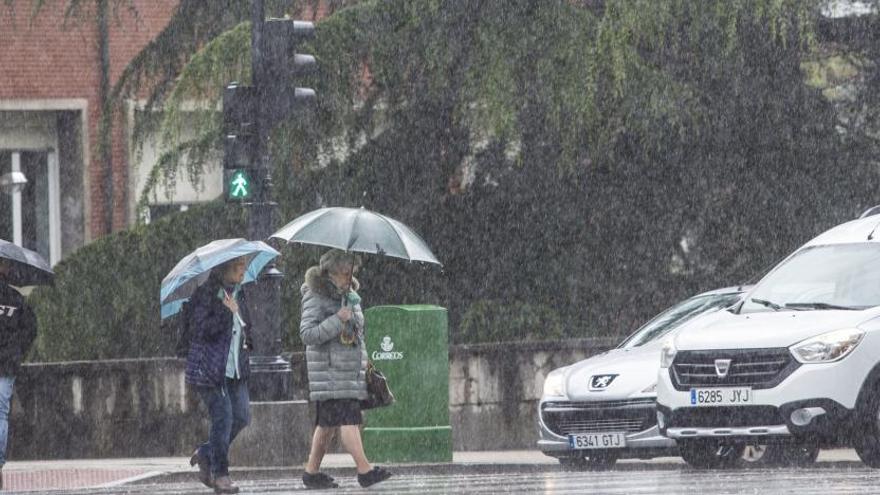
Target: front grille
564,418
756,368
725,417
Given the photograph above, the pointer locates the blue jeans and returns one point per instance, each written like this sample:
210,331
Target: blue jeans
229,409
6,383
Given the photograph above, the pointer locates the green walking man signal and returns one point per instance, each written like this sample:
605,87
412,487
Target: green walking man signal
239,185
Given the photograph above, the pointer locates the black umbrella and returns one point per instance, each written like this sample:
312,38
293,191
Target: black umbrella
25,266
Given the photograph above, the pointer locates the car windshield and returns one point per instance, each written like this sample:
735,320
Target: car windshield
670,319
839,276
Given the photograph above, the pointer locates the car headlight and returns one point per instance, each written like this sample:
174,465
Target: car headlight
554,384
828,347
667,354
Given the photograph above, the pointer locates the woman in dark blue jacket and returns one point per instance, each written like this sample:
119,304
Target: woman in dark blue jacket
218,367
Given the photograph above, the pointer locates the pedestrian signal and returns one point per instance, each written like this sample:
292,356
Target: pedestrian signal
238,185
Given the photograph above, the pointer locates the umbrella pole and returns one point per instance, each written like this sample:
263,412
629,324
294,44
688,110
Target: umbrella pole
351,273
346,325
350,278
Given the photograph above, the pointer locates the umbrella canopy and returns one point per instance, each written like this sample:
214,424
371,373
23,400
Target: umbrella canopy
359,230
195,268
27,267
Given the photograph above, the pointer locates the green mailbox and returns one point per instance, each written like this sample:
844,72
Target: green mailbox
409,344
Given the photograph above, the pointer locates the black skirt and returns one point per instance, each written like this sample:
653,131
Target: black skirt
338,412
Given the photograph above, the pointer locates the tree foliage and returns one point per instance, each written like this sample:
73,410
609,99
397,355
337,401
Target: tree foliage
602,162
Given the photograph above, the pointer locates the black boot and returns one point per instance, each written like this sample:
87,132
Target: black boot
372,477
204,469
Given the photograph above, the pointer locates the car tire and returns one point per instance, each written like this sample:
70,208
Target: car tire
780,454
867,443
754,454
710,454
597,461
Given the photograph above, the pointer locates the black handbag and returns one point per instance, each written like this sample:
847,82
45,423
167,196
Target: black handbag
378,392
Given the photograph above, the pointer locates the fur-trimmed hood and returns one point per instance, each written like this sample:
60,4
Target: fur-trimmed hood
321,284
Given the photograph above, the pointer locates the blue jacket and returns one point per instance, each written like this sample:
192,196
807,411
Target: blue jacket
211,322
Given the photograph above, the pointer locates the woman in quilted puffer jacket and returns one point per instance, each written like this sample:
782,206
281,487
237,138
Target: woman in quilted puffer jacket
332,328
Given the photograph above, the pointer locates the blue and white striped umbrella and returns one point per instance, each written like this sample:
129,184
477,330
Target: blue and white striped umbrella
195,268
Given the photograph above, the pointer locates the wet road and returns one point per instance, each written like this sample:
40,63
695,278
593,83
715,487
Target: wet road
824,478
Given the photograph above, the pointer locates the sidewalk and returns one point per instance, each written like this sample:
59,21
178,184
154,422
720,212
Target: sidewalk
87,473
94,473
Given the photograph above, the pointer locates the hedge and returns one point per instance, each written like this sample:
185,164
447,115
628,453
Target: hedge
105,301
502,321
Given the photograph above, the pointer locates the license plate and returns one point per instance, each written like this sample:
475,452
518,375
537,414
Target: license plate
597,441
720,396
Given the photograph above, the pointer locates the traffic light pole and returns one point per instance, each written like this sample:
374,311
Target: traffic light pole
270,373
249,115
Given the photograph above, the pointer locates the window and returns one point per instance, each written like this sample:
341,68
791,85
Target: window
677,315
30,217
844,275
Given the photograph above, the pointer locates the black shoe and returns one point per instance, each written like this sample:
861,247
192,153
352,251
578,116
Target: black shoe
371,478
204,469
318,481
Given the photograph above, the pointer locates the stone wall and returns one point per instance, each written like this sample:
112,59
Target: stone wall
494,389
142,408
123,408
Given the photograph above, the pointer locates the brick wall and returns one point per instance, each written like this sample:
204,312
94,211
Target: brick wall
45,58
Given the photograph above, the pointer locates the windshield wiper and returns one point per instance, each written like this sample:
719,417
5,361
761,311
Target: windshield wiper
818,305
769,304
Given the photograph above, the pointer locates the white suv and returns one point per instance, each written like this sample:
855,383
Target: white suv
796,362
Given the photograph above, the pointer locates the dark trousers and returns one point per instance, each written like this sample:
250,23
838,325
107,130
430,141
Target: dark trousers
229,409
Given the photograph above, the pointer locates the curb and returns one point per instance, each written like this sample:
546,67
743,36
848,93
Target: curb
408,469
274,473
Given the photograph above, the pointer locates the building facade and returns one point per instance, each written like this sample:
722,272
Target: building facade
50,109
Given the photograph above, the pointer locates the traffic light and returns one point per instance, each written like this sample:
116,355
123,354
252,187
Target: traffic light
250,112
241,150
282,66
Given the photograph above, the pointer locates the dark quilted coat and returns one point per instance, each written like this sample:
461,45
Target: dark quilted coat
212,334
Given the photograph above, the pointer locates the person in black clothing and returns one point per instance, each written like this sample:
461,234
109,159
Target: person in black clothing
18,328
217,367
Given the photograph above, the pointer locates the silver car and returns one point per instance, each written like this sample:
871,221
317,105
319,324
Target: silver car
602,409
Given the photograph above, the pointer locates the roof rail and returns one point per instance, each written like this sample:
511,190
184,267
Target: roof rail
870,212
